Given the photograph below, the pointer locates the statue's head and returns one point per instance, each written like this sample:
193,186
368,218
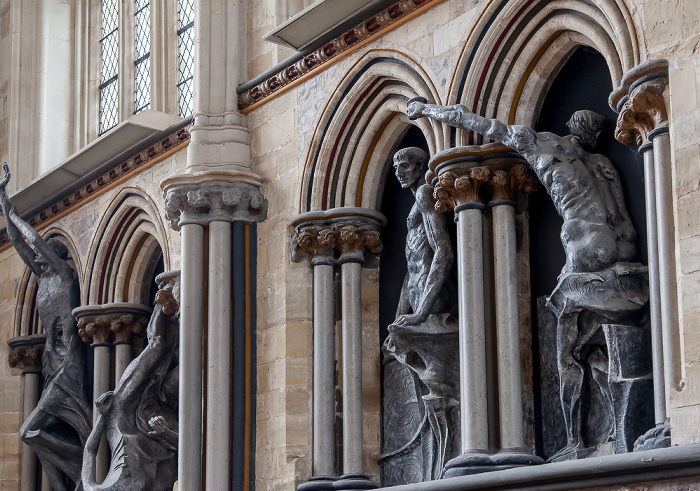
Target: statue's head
410,165
587,126
58,247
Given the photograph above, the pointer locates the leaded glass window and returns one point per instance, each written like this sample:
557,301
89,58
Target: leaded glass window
142,63
109,44
185,46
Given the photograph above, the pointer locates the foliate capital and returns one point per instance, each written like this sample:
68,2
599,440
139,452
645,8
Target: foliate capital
452,190
101,323
507,184
203,203
26,351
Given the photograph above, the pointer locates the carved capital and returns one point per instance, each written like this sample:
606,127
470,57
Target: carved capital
95,330
204,203
167,300
640,102
100,323
354,239
506,184
314,240
26,351
126,325
452,190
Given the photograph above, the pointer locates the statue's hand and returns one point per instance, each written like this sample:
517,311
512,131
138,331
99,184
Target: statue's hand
415,107
158,424
6,178
410,319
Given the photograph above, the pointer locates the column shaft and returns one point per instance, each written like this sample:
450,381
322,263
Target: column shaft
122,358
667,262
32,390
191,333
472,362
101,384
324,368
219,358
352,367
657,344
508,327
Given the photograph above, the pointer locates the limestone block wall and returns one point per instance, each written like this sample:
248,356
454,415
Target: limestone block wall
79,226
282,131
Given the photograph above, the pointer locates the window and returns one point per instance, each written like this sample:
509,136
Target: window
109,43
142,64
185,49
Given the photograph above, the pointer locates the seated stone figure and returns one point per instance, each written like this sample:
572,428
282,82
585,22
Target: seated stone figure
421,355
140,417
601,276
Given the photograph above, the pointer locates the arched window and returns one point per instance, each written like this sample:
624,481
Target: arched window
185,54
109,72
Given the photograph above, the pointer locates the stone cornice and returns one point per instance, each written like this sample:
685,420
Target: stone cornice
126,169
334,50
26,351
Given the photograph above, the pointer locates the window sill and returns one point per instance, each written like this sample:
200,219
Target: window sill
94,159
663,464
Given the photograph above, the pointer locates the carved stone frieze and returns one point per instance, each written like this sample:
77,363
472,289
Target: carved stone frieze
203,203
452,190
506,184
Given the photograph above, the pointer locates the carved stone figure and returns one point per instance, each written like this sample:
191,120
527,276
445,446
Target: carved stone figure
421,353
58,427
601,277
140,417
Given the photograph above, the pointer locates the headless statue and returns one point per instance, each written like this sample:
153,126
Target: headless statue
598,236
58,427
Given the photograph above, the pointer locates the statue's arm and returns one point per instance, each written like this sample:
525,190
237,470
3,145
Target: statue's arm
443,258
20,245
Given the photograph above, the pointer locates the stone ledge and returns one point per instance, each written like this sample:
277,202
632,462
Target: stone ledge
652,465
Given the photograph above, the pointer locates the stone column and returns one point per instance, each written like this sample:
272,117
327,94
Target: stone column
95,330
643,118
505,185
462,194
124,326
317,241
26,353
195,203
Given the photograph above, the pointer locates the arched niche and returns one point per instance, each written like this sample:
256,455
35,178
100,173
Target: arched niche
360,129
27,320
127,252
518,47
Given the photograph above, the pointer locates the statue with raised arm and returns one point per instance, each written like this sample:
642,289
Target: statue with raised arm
58,427
601,275
421,357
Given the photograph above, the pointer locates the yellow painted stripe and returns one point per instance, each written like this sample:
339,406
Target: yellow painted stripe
107,188
342,56
248,360
368,157
530,67
130,269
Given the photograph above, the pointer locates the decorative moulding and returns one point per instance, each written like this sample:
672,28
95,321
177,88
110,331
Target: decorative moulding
299,69
50,196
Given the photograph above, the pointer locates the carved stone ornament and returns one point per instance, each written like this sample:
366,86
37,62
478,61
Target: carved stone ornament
111,322
312,241
206,202
26,351
453,190
644,111
506,184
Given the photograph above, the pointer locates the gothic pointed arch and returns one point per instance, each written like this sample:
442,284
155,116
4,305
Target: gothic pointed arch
518,47
127,251
360,128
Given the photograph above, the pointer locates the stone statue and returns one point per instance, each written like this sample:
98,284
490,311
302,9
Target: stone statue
58,427
421,354
140,417
601,277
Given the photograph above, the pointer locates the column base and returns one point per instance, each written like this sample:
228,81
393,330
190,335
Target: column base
478,461
345,482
